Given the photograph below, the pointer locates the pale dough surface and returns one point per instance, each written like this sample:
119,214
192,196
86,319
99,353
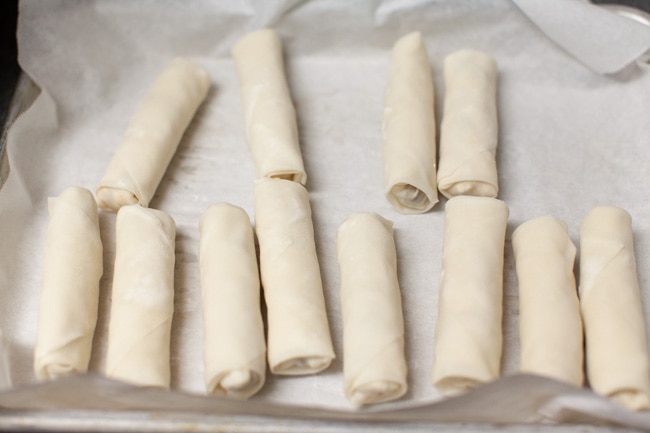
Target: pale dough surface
234,349
142,301
550,326
469,129
468,337
153,134
409,130
615,330
299,339
270,117
69,298
374,363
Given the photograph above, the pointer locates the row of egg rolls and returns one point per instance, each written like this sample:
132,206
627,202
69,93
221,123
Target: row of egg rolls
283,225
468,132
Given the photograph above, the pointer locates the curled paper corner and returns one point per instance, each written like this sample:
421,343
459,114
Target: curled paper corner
628,12
643,61
605,38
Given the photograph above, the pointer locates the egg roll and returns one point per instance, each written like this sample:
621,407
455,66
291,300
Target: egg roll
409,129
610,300
72,268
544,260
469,129
153,134
269,115
468,337
233,332
142,302
374,363
298,339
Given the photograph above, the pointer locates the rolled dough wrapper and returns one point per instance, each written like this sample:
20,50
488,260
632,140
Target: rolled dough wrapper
299,339
469,129
69,300
153,135
468,342
142,298
234,346
374,364
270,117
544,258
409,131
615,329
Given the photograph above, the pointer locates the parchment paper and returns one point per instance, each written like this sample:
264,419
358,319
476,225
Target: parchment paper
569,139
604,41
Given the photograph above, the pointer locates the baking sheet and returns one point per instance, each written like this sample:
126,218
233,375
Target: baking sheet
569,139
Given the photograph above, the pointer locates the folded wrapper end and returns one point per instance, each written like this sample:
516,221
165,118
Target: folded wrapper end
292,175
409,199
54,371
112,199
632,399
238,383
376,392
302,365
453,386
474,188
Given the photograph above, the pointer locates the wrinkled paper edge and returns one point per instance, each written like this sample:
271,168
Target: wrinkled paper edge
516,399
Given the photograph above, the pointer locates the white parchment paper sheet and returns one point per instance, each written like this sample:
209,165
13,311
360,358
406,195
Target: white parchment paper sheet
569,139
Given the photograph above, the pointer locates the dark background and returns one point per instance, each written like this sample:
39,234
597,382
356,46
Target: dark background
8,53
639,4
